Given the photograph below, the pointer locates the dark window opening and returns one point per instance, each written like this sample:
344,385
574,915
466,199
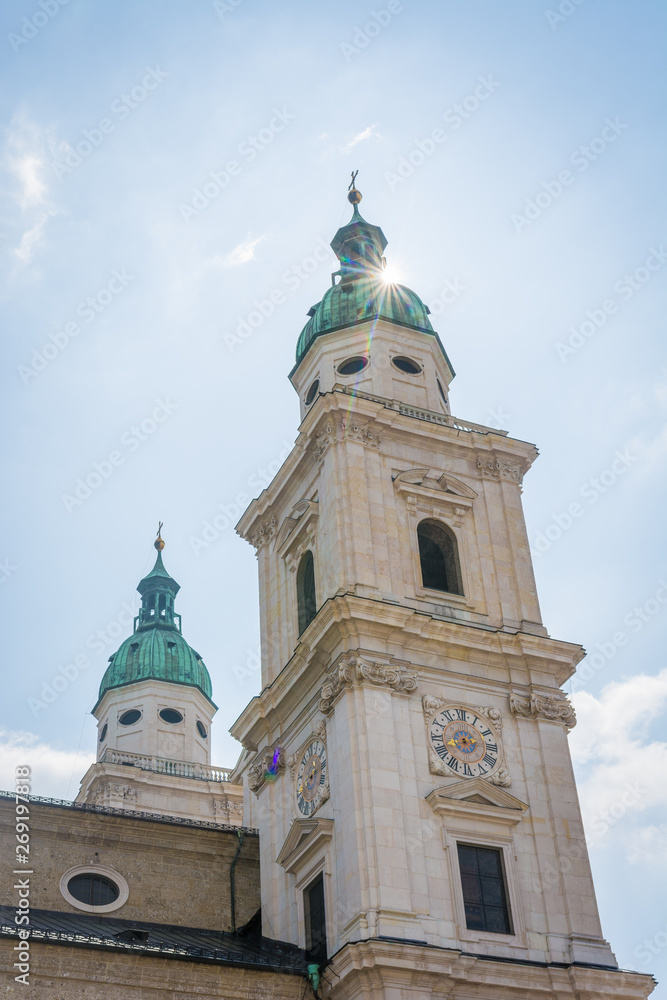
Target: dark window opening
95,890
352,366
171,645
134,646
130,717
407,365
312,392
441,391
316,931
438,557
171,715
104,732
305,589
201,729
484,892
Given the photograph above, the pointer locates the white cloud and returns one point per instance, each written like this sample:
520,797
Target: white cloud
25,159
369,132
32,238
242,254
54,772
621,769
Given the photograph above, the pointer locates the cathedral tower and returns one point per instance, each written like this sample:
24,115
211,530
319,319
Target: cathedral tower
407,762
154,714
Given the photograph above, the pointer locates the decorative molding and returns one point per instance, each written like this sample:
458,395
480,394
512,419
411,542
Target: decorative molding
494,468
476,796
305,837
264,532
346,429
357,670
304,514
554,709
271,761
434,494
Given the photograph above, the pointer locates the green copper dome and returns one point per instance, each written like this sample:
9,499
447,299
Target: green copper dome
362,293
157,650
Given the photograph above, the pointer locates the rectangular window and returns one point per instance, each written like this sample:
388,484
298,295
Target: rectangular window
484,892
316,933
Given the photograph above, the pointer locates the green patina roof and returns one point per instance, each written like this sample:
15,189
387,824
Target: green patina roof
157,650
366,298
362,294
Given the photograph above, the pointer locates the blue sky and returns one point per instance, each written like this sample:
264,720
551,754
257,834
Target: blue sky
512,152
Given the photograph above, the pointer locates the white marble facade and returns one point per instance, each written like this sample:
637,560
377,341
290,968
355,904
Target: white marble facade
373,458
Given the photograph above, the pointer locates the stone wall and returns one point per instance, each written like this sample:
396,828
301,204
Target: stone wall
175,873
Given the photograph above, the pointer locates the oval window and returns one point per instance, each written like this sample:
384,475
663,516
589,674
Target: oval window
312,392
93,889
406,365
171,715
130,717
104,732
352,366
201,729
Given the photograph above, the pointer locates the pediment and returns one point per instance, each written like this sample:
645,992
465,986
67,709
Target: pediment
304,838
301,514
477,797
435,482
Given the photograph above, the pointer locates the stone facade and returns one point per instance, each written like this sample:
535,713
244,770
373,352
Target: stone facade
175,872
368,672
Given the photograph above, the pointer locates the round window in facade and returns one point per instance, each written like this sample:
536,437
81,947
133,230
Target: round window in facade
312,392
94,888
201,729
171,716
130,717
352,366
407,365
103,733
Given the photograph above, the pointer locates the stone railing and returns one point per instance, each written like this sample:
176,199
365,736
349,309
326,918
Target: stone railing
421,414
162,765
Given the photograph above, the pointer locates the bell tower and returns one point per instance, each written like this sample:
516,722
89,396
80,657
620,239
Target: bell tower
406,761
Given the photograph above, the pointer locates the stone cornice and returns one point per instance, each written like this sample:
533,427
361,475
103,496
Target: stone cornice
353,670
342,619
339,416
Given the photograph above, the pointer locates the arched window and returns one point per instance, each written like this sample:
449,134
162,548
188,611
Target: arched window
439,558
305,591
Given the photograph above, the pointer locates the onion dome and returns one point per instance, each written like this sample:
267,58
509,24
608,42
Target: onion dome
362,293
156,650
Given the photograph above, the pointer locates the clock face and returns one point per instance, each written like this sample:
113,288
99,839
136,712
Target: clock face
464,741
311,777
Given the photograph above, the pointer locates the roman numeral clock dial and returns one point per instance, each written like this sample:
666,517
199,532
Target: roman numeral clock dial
465,742
312,778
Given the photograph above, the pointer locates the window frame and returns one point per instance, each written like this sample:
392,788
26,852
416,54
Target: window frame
446,530
104,872
306,877
300,630
454,837
503,880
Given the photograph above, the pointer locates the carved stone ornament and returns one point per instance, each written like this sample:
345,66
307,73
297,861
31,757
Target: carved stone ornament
357,670
552,708
494,468
264,532
431,705
267,766
349,428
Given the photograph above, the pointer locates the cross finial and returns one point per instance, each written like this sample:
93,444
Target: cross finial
354,177
159,541
353,196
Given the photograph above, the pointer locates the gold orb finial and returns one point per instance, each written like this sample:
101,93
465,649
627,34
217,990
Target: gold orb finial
353,196
159,541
